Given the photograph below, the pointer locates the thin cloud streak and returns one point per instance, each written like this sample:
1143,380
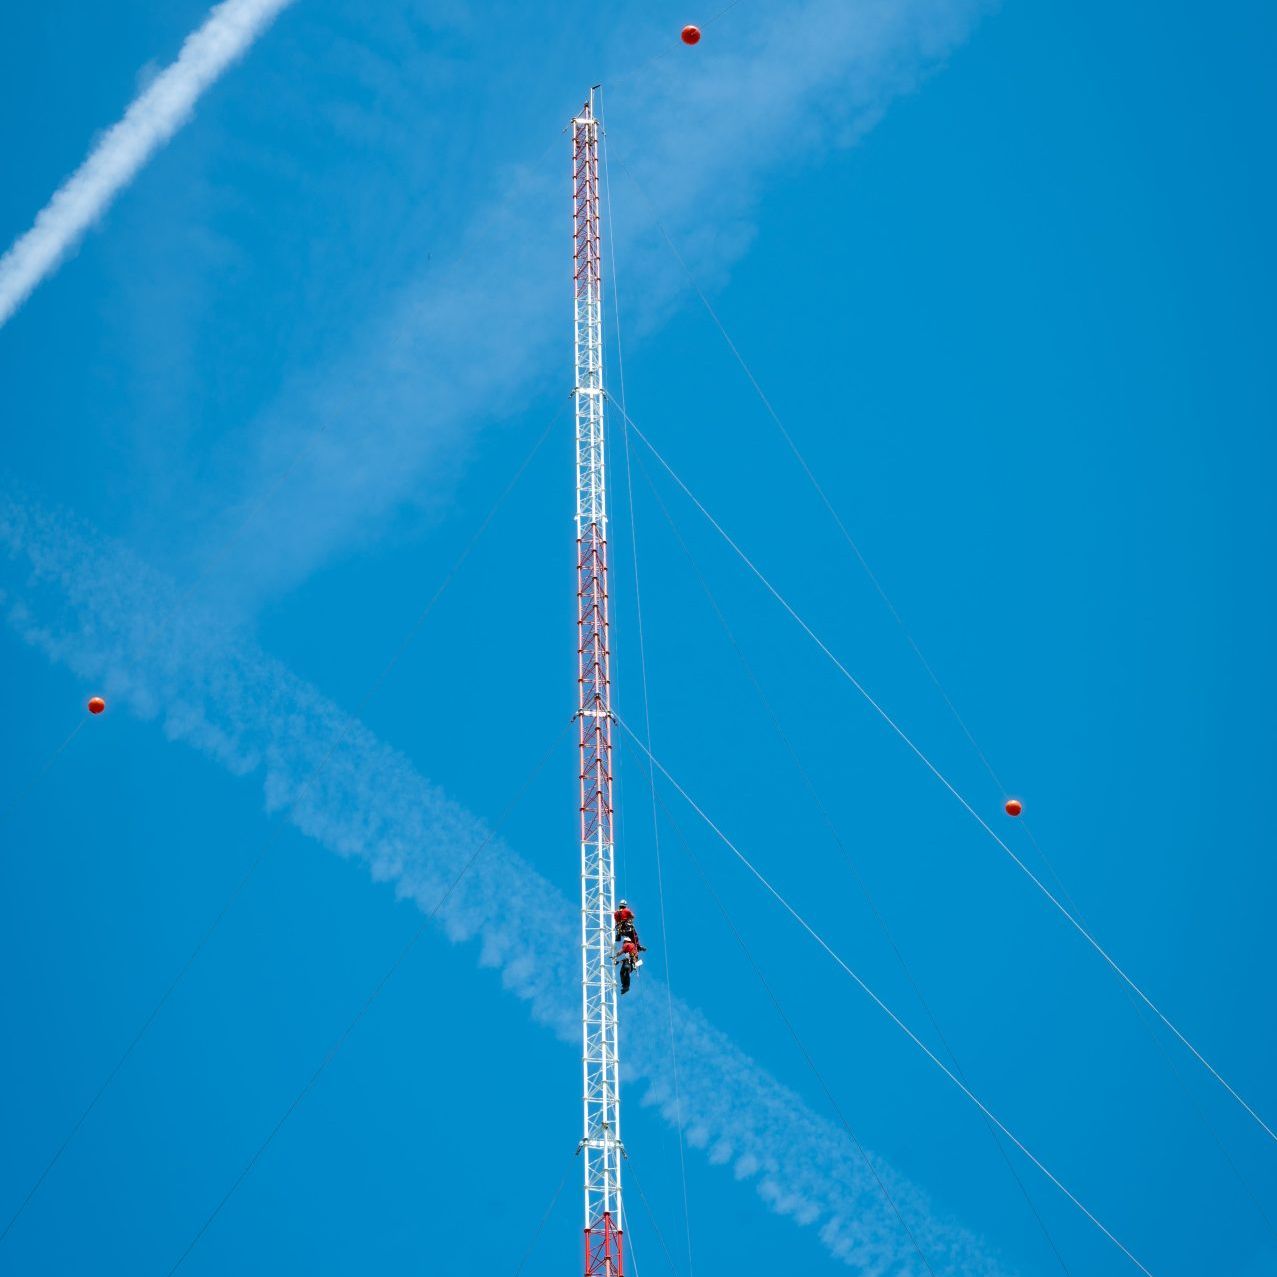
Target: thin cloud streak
152,119
92,606
473,340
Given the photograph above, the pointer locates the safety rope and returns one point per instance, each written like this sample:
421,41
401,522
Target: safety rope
854,1140
631,1251
810,474
882,1006
928,668
647,723
1180,1081
861,882
948,784
651,1215
545,1219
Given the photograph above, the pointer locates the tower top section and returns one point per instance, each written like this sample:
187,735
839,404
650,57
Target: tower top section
586,112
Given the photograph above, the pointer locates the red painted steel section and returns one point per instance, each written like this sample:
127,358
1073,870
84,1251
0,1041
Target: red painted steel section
603,1257
593,677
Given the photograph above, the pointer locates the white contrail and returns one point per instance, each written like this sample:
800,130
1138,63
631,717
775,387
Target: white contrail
95,608
793,81
153,118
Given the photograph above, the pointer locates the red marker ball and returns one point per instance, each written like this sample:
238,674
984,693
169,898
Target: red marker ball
691,34
1014,806
96,704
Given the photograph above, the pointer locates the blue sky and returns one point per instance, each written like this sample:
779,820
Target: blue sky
1004,272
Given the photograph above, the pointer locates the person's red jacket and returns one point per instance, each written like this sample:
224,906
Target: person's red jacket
623,915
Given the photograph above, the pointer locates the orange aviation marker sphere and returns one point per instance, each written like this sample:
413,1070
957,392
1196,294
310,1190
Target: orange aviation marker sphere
691,34
1014,806
96,704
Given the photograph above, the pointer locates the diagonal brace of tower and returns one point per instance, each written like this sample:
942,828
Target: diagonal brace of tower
601,1146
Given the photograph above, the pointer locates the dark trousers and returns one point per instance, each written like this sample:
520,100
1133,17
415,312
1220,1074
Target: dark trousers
625,975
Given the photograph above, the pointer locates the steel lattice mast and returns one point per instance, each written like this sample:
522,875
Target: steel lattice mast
601,1142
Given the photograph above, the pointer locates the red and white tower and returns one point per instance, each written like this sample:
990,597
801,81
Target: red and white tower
601,1143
